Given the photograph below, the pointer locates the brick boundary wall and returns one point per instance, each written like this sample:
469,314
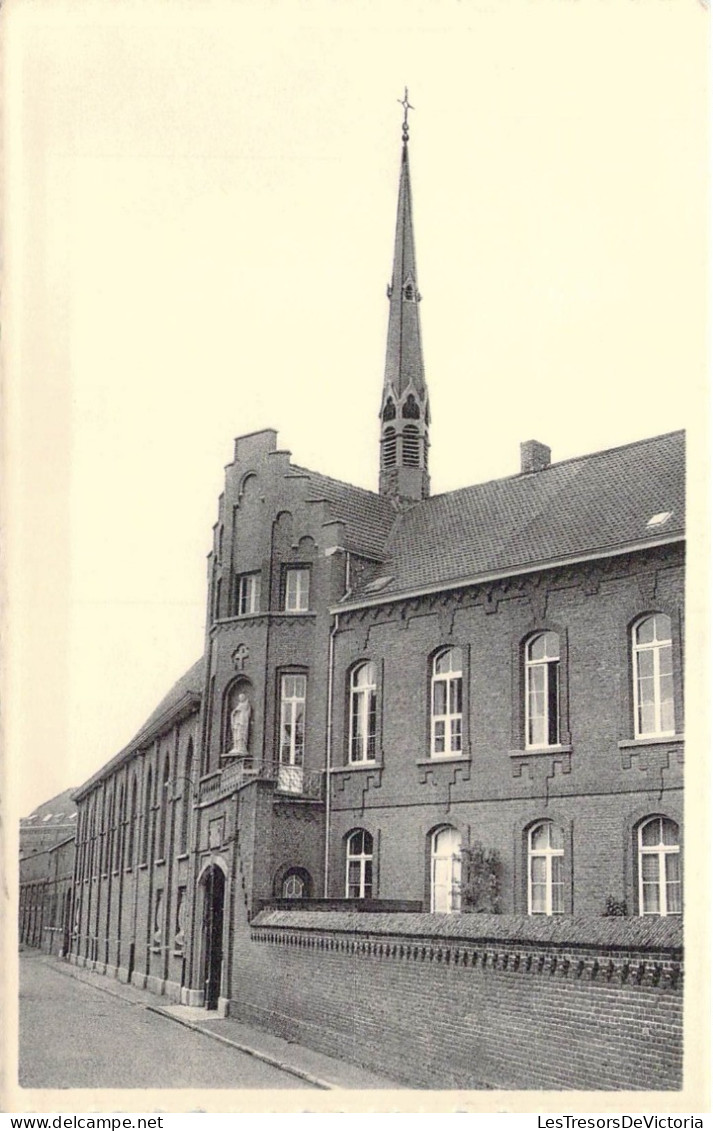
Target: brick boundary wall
474,1001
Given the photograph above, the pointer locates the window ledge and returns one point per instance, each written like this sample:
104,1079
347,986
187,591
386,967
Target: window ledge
352,767
650,740
438,759
529,751
161,860
182,856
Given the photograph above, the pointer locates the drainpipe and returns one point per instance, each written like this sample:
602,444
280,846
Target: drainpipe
328,781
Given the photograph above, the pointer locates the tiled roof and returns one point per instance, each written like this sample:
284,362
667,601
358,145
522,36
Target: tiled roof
191,683
368,517
185,693
592,504
59,810
627,932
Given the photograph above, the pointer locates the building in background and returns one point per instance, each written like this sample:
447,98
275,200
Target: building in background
466,702
50,823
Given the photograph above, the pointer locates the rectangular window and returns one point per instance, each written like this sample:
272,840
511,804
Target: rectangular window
297,590
447,703
653,676
292,720
542,690
362,737
248,595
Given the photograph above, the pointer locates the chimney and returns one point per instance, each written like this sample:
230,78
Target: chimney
534,456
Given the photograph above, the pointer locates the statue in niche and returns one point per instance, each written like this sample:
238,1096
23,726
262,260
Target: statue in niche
240,724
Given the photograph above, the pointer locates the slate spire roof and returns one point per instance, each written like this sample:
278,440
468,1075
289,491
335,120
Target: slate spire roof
404,354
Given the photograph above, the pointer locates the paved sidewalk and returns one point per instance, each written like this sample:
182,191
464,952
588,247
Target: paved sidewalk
307,1064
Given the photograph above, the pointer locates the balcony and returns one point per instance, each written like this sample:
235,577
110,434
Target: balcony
289,781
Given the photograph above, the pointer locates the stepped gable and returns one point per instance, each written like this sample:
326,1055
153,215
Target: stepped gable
591,504
368,517
183,698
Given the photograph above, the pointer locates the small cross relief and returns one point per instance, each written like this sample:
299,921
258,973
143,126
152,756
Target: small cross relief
240,657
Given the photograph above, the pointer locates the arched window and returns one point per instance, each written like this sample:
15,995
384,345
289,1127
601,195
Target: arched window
158,918
186,798
360,865
389,447
411,446
659,867
107,828
445,870
296,884
653,676
163,808
293,886
147,818
542,715
545,870
410,410
132,822
90,838
362,714
389,412
119,833
447,703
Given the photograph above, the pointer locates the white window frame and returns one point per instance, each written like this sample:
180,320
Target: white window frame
361,858
656,647
549,666
248,594
297,579
362,708
547,853
292,751
451,721
290,889
446,870
661,851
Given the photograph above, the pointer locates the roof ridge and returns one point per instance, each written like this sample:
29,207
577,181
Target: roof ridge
551,467
339,482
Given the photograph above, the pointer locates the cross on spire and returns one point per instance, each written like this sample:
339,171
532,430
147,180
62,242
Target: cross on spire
407,106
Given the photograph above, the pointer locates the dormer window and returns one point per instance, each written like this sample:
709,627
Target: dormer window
409,292
659,519
389,412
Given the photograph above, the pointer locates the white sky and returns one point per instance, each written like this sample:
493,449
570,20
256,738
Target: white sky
201,203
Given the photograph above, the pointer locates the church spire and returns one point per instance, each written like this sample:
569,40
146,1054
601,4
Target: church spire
404,406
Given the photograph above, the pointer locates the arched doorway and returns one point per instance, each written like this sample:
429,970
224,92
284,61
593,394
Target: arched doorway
213,884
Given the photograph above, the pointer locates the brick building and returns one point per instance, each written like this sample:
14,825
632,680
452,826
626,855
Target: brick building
467,702
48,824
46,887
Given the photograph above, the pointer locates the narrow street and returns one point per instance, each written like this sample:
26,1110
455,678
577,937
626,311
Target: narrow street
75,1036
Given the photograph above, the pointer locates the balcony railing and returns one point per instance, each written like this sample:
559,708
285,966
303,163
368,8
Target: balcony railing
289,781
